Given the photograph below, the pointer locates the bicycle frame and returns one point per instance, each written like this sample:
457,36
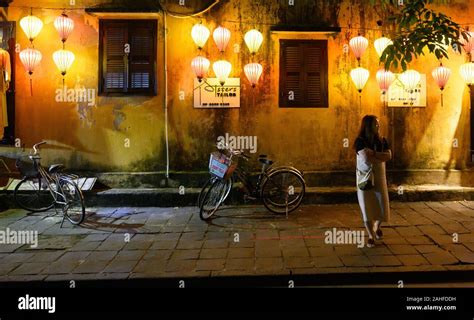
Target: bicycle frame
50,179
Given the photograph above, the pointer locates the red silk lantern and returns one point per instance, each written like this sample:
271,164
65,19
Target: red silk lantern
358,46
468,45
384,79
200,66
30,58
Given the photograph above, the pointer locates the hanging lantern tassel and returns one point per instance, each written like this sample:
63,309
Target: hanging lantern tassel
441,75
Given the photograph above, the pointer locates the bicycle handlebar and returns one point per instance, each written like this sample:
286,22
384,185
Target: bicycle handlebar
37,145
235,152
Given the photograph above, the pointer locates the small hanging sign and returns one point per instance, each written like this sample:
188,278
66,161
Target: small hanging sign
398,96
210,94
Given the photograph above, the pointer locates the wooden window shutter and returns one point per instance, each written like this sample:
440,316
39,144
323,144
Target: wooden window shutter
142,52
303,73
114,60
127,55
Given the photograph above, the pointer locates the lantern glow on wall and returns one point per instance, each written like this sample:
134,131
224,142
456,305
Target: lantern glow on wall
222,70
441,75
221,37
200,34
200,67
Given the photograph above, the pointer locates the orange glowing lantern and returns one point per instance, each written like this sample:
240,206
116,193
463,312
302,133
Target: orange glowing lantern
384,79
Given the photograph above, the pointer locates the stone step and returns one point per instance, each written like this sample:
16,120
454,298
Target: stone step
171,197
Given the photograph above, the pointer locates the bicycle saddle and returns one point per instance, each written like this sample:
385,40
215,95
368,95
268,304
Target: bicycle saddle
55,168
266,161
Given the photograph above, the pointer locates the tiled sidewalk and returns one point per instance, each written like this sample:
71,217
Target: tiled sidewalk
119,243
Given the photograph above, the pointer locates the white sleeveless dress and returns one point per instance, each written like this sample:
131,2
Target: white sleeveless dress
374,203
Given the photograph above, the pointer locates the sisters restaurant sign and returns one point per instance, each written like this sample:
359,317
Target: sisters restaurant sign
210,94
398,96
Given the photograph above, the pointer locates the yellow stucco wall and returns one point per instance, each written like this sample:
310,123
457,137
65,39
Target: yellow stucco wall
95,138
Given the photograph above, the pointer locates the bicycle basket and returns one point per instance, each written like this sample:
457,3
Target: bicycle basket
27,167
219,164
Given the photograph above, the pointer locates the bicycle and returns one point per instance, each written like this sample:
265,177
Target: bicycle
41,190
281,189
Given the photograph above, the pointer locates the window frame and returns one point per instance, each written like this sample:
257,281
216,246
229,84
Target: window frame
323,44
129,24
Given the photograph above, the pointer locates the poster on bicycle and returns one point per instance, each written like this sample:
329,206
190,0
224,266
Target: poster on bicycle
209,93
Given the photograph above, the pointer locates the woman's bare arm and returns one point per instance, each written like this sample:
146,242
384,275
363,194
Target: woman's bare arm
383,156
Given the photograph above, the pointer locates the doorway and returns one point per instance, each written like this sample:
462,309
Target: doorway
7,42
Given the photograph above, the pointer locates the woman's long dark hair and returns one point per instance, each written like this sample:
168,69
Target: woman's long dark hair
366,131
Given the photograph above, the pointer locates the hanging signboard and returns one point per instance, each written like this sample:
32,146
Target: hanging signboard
398,96
210,94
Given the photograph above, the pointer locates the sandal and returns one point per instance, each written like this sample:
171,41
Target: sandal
370,243
378,234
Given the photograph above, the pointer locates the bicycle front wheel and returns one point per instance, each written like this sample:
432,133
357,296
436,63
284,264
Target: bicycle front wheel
33,194
73,201
283,191
214,197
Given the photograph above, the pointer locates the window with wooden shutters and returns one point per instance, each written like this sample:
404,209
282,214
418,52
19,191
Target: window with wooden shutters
127,54
303,74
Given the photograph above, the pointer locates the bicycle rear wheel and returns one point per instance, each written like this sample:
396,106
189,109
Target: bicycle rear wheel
33,194
283,191
73,205
214,197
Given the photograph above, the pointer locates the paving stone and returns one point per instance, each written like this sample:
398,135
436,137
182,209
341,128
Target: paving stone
210,264
46,256
298,262
462,253
138,245
428,248
454,227
130,255
321,251
189,244
30,268
232,244
295,252
385,260
356,261
348,250
409,231
163,244
213,254
327,262
418,240
10,247
267,251
17,257
151,267
5,268
268,264
442,239
412,259
240,264
185,254
402,249
235,253
91,266
394,240
157,254
102,255
438,258
85,246
120,266
379,249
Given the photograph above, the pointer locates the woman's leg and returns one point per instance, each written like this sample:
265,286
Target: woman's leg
377,230
370,232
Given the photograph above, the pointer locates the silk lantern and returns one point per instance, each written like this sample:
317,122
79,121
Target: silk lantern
64,25
200,34
200,66
221,37
467,73
31,26
253,40
358,46
253,71
381,44
30,58
441,75
222,70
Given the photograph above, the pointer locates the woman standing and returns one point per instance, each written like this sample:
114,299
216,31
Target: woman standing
372,192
